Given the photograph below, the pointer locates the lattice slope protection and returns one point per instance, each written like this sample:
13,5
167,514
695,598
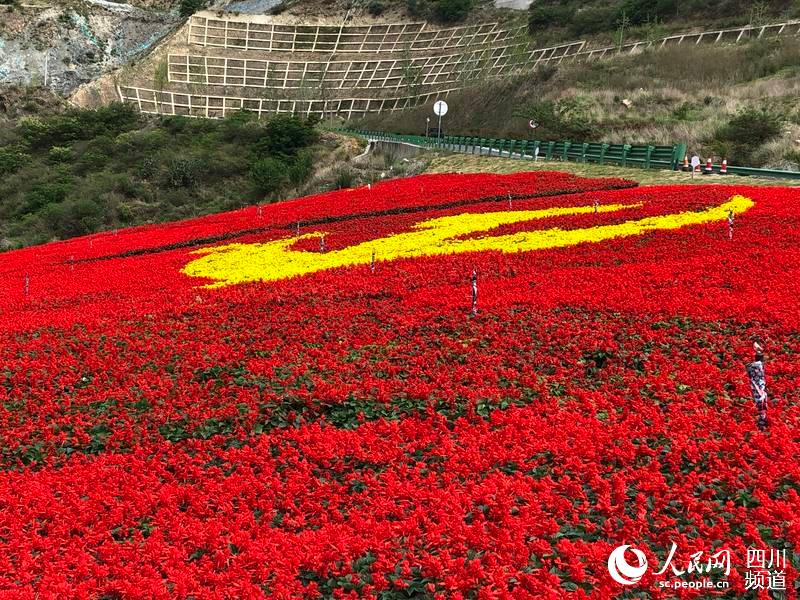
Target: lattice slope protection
226,63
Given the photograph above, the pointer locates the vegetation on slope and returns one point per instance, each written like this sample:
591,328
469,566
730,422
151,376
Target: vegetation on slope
558,19
622,17
740,102
81,171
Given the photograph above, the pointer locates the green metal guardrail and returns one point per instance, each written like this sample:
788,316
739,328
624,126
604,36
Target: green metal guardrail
648,157
625,155
762,172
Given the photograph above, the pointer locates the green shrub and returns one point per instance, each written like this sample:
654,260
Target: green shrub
241,127
91,161
564,120
344,178
189,7
77,124
60,154
750,129
43,195
147,168
77,216
686,112
11,159
284,135
543,17
646,11
417,8
300,168
593,19
268,175
449,11
183,172
376,8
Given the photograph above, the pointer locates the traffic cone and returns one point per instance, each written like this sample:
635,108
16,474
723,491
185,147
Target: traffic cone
709,168
686,163
723,170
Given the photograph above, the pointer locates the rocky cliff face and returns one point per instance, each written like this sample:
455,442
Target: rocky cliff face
62,46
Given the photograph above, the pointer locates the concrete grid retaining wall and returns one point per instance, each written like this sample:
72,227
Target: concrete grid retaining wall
414,64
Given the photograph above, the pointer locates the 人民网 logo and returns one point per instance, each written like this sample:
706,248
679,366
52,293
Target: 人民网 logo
624,572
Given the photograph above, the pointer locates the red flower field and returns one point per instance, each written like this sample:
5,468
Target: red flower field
224,408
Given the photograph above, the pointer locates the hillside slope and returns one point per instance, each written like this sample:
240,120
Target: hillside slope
685,93
65,44
82,171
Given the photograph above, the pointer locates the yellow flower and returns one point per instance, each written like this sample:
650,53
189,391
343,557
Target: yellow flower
272,261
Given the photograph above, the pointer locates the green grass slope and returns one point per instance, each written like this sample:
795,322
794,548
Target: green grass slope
741,102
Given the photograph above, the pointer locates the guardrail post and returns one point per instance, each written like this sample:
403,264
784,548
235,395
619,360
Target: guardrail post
678,152
565,156
603,153
648,157
550,146
625,150
584,150
511,149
